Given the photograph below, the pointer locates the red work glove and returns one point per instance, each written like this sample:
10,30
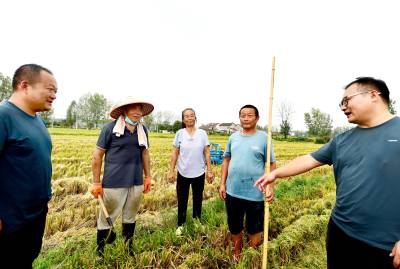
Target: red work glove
96,189
147,184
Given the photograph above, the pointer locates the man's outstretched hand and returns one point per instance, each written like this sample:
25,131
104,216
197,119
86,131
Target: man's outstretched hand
264,181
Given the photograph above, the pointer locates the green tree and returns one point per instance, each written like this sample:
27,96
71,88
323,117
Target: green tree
5,87
341,129
148,121
165,126
176,126
285,112
259,127
285,128
157,120
47,116
318,123
71,114
91,109
163,120
392,109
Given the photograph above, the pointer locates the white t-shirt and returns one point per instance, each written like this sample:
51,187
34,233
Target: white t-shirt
191,160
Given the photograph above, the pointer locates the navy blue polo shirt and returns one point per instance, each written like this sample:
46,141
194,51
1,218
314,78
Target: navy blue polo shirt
123,164
25,167
366,163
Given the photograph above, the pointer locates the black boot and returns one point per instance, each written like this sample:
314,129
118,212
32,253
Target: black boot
101,241
128,229
111,237
104,237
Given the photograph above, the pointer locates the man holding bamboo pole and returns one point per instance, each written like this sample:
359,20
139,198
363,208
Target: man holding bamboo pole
364,229
244,162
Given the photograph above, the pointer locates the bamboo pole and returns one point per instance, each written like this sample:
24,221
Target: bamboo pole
268,168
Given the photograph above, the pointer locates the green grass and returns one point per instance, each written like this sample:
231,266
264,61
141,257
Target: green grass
297,217
204,246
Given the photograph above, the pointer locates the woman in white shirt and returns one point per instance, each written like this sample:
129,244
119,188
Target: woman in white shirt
192,152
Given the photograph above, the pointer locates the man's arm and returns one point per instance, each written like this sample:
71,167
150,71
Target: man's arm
224,176
146,170
297,166
97,161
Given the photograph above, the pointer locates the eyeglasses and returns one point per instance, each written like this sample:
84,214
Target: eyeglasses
346,99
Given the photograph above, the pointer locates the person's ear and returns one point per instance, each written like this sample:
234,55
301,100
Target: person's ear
23,85
375,94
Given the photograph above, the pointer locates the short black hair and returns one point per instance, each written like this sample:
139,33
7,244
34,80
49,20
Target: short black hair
377,84
249,106
29,72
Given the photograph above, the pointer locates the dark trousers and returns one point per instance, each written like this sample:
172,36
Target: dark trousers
20,248
182,190
345,252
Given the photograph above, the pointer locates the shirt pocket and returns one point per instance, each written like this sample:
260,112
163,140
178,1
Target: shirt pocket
21,147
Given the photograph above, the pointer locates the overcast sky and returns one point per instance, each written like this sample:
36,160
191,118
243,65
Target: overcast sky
214,56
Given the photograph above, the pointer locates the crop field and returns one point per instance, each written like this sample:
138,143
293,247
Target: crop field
298,216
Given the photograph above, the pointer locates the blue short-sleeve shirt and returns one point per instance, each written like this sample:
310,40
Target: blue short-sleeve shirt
248,156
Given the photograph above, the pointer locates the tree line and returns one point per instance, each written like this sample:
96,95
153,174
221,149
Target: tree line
90,111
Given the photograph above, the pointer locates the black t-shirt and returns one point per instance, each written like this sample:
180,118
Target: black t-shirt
123,165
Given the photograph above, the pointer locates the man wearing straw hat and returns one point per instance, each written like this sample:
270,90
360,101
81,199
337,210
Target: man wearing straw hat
124,142
244,163
364,228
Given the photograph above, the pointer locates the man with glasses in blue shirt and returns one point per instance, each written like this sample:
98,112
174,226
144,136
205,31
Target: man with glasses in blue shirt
364,228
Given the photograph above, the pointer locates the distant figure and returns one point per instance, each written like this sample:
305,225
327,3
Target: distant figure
244,162
25,166
124,142
192,152
364,229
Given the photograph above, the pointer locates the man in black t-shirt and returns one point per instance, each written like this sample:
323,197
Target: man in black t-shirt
124,142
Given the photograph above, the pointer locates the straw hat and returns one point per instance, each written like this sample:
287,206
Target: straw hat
118,109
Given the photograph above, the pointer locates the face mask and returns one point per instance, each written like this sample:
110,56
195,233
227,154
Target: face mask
129,121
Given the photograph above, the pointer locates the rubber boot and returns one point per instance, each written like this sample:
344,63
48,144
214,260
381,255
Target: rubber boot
104,237
101,242
128,229
111,236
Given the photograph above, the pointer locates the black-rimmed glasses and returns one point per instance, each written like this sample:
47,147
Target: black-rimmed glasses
346,99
